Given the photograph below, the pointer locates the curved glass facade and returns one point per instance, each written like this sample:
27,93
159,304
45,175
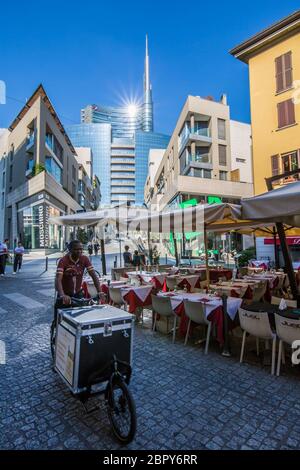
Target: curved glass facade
98,138
123,123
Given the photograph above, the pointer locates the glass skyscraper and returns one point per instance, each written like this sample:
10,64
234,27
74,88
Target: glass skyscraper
98,138
120,139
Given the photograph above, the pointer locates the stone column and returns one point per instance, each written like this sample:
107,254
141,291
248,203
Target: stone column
14,224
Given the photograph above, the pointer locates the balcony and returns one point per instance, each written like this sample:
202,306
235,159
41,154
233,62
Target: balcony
123,153
121,161
195,135
197,160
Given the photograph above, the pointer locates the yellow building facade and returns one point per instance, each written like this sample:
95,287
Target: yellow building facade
273,56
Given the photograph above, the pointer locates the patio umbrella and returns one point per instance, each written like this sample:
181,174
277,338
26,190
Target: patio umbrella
279,205
282,206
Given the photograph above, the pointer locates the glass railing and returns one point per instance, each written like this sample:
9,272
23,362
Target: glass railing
184,137
30,140
205,132
198,158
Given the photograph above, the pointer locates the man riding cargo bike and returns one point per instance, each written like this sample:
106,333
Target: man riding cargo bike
91,344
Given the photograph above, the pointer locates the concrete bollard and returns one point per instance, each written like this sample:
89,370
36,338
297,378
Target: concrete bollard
46,267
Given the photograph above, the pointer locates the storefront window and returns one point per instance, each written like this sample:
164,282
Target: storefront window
55,231
34,229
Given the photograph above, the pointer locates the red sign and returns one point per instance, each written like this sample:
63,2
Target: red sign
290,241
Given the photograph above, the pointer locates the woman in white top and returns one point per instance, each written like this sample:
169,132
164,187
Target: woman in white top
19,251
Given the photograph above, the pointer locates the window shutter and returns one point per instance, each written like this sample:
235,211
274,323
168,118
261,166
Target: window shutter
279,74
281,114
288,69
286,113
222,155
275,165
290,112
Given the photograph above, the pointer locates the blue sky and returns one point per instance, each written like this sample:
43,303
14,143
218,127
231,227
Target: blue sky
93,52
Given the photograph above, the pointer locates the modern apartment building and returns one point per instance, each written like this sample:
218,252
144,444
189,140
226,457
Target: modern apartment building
120,139
154,160
197,163
274,70
41,176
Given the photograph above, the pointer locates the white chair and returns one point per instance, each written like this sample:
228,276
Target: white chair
279,288
259,291
258,325
116,297
195,311
288,331
162,306
171,282
289,303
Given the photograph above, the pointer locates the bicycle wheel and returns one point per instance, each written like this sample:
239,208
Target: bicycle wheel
52,338
121,411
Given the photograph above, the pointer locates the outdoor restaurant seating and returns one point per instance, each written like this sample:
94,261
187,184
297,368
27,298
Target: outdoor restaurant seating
289,302
195,313
288,331
116,297
259,292
171,282
162,306
258,325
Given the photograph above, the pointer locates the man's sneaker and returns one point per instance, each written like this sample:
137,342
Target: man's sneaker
14,272
1,274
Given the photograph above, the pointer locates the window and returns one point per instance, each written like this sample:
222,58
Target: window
10,173
3,179
283,72
73,173
289,162
73,190
54,169
240,160
286,113
200,173
275,165
2,201
223,175
202,154
222,155
221,129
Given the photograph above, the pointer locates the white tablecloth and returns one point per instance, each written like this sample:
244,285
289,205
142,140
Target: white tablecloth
233,303
141,292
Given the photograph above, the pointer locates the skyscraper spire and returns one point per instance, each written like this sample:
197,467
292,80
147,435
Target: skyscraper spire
148,105
147,70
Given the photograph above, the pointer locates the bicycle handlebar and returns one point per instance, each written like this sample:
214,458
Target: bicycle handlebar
79,302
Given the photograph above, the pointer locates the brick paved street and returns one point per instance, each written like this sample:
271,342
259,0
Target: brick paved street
184,400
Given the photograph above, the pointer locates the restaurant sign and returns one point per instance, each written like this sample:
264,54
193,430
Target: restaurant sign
290,241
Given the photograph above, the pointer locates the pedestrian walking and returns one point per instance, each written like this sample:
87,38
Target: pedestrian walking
90,248
96,248
18,257
3,256
127,257
137,260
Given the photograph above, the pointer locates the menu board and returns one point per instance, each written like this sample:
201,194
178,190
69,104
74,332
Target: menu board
65,347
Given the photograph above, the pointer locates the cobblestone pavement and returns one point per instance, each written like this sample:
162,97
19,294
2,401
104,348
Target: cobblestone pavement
184,399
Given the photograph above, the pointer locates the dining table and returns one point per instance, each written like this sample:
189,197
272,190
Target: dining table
157,278
137,296
213,308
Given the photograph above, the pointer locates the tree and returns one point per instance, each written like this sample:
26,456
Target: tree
82,235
